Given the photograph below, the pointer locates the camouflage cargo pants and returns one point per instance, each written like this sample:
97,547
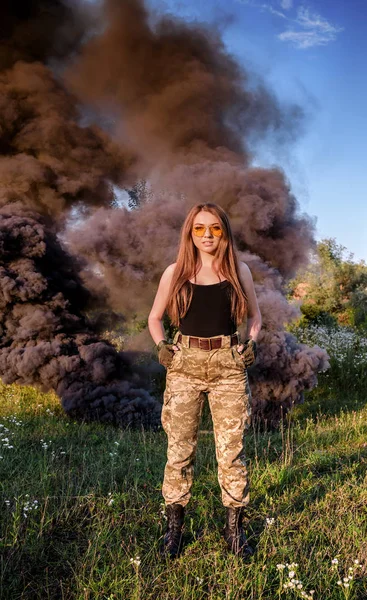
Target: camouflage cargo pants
220,373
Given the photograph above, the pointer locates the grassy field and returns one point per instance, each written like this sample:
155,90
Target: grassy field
82,512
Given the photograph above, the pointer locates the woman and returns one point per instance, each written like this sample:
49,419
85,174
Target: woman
208,294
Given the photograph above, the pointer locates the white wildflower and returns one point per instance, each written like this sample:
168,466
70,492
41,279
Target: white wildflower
291,574
338,342
29,506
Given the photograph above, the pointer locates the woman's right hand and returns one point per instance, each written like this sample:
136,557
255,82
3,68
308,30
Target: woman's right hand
166,353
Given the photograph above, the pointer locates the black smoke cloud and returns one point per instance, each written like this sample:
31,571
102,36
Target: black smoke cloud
49,165
190,113
46,340
182,115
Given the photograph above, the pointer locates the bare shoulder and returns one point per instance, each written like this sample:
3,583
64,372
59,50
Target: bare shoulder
167,275
168,272
245,271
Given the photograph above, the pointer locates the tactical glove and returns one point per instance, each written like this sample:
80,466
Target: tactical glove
165,353
249,353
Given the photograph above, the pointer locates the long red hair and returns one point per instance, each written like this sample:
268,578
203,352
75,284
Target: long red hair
188,264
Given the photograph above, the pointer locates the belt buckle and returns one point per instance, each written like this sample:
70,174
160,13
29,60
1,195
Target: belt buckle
206,342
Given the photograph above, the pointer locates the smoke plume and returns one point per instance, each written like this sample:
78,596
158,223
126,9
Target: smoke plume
46,340
50,164
191,114
170,107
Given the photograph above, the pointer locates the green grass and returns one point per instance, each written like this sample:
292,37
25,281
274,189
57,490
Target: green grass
99,506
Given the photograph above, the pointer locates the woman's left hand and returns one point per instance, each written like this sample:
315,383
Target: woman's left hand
248,352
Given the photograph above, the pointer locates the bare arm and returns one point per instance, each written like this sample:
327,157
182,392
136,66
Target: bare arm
253,312
155,319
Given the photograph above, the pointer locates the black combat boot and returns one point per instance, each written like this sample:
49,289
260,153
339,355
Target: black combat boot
234,534
172,541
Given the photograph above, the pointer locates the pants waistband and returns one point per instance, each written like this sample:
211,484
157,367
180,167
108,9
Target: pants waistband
210,343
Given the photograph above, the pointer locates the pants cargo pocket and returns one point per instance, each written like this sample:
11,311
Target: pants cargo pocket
237,358
176,361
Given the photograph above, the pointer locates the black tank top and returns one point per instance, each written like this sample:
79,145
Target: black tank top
209,313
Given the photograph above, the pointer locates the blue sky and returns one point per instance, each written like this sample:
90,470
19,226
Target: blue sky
312,54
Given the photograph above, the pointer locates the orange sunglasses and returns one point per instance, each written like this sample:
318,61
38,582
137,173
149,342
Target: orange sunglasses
200,230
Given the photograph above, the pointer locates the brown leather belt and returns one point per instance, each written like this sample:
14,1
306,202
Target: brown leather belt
208,343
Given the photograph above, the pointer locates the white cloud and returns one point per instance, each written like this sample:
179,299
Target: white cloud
273,11
317,31
306,30
263,6
304,39
305,19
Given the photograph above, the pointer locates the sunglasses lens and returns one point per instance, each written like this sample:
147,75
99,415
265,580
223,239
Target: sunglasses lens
216,230
199,230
